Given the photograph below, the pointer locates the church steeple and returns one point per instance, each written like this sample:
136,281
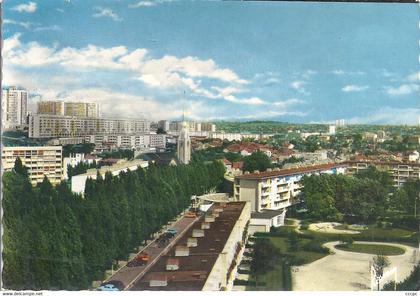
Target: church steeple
184,142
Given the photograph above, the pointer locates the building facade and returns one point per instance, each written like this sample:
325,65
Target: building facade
205,257
277,189
143,142
184,145
56,126
399,171
78,109
14,108
40,160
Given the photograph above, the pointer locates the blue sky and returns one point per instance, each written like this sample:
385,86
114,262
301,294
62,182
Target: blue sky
297,62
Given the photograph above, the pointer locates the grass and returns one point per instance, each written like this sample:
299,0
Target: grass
290,222
371,233
304,256
279,279
371,249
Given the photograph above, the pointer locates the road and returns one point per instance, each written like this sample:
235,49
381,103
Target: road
129,275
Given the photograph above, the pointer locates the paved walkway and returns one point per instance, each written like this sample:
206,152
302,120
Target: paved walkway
129,275
348,271
328,227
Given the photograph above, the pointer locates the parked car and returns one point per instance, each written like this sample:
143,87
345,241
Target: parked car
190,215
108,287
172,231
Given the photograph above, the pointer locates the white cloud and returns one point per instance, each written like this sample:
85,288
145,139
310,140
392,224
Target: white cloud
404,89
30,7
60,10
388,115
298,85
26,25
106,12
354,88
342,72
246,101
48,28
414,76
147,3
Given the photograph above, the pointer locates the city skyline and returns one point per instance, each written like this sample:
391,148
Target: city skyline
342,61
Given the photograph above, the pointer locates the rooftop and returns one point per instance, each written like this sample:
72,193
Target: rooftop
266,214
115,167
286,172
196,267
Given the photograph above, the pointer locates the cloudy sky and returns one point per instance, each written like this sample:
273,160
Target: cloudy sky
297,62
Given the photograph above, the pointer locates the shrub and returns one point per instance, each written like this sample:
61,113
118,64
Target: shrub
347,240
316,246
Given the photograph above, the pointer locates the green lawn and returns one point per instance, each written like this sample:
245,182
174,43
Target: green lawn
279,279
371,249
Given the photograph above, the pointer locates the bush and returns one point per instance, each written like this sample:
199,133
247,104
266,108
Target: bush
347,240
379,224
316,246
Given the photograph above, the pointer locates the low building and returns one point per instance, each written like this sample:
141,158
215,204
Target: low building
40,160
204,258
75,158
277,189
78,182
400,171
263,221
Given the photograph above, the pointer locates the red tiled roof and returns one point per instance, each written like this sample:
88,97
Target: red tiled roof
225,161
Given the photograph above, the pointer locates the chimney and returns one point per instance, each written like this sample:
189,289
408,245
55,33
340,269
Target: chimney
205,225
182,251
198,233
192,242
157,280
172,264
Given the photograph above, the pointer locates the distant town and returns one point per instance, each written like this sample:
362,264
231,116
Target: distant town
195,205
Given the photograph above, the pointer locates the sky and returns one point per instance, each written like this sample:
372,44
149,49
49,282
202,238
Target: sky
219,60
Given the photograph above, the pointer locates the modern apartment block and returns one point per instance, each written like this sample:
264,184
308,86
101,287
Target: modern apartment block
277,189
14,108
400,172
205,258
146,142
78,109
40,160
55,126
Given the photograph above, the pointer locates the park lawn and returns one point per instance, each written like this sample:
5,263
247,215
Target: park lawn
305,256
371,249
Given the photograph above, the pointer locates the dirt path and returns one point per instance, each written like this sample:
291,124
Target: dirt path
348,271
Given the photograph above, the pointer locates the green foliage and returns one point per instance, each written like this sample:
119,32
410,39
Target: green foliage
119,154
371,249
411,283
55,239
85,148
365,197
264,257
257,161
293,241
80,168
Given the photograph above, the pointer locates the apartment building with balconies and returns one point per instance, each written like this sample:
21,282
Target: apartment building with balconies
40,160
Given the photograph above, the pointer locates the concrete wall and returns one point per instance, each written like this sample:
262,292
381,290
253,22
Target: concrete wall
217,276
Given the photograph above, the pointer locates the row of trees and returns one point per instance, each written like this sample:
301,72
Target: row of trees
55,239
368,195
81,168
